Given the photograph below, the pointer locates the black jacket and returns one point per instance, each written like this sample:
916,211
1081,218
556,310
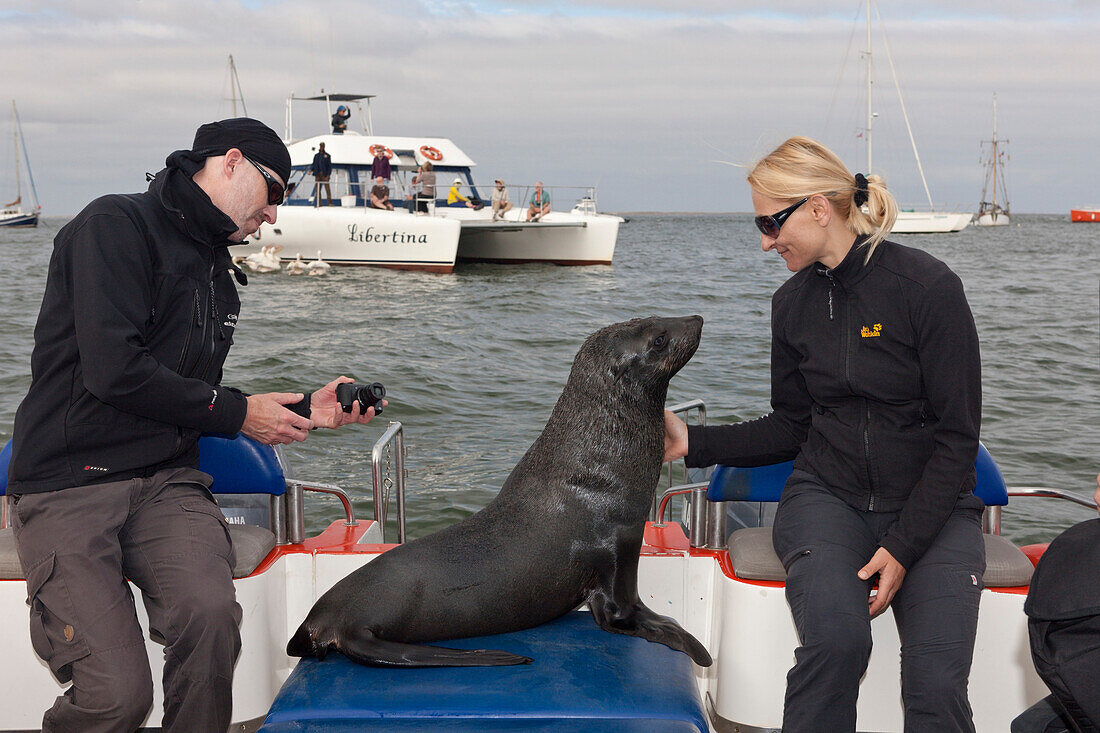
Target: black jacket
876,390
136,321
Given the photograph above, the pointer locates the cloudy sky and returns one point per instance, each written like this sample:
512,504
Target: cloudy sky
640,97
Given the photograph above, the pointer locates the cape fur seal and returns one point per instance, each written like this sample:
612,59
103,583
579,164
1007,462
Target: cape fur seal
565,529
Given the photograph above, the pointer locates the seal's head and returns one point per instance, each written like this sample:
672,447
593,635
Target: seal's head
644,352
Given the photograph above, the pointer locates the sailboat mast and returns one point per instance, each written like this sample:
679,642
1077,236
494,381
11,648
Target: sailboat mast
15,144
235,88
870,112
995,151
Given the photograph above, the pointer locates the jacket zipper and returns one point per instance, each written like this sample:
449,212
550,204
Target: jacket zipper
196,312
213,316
848,349
867,454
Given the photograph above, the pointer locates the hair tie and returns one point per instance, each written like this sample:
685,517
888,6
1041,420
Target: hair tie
860,197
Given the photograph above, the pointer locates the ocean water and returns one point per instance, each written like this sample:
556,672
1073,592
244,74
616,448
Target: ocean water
474,361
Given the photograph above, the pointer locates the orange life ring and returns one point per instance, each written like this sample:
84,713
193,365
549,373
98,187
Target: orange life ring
385,151
430,153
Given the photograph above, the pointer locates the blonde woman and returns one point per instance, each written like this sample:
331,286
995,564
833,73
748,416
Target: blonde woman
876,395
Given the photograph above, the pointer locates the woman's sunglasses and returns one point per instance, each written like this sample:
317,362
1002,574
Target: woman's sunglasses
769,226
276,192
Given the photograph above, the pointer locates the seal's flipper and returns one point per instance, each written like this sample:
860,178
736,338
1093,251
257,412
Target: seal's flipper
366,648
640,621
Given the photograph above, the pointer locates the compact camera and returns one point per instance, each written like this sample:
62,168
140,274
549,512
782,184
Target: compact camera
367,395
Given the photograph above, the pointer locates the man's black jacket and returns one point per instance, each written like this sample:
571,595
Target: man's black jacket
876,390
136,321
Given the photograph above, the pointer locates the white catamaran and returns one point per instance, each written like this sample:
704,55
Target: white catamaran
14,214
337,217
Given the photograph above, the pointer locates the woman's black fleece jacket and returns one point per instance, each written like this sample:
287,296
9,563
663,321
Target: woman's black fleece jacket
876,390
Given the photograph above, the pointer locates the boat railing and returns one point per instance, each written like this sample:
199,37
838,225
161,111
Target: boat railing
706,520
991,518
389,473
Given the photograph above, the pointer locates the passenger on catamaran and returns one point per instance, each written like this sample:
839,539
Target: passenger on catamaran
425,179
876,395
340,120
454,198
104,476
380,195
500,201
380,166
321,172
539,204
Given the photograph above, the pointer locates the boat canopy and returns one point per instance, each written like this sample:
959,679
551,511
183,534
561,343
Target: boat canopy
335,98
354,149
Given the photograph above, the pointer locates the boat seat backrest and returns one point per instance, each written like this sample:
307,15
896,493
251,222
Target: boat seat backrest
765,483
753,558
238,465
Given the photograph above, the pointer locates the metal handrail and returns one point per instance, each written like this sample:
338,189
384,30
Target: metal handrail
1043,492
394,434
675,491
708,519
336,491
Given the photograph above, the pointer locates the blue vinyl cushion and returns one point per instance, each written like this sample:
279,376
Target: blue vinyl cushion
239,465
765,483
5,459
582,679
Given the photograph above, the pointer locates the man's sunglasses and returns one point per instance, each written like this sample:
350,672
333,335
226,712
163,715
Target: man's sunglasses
769,226
276,192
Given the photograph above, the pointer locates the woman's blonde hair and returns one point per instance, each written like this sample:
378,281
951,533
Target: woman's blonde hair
802,167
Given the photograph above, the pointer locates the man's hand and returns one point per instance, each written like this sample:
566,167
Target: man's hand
676,438
269,422
326,412
891,573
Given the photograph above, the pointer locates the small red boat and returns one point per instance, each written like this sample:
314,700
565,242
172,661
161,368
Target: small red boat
1090,214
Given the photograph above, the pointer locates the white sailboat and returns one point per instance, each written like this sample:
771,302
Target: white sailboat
908,222
990,212
14,214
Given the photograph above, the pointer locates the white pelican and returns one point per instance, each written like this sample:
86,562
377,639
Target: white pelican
318,266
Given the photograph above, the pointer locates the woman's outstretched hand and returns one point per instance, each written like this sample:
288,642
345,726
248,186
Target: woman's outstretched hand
676,438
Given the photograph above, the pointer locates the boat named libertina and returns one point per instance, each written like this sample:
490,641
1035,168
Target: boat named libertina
13,214
339,220
724,587
992,213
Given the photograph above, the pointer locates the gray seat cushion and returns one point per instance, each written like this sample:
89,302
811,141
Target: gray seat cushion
9,561
753,558
251,545
752,555
1005,565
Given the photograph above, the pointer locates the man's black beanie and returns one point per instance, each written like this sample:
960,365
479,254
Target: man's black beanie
252,137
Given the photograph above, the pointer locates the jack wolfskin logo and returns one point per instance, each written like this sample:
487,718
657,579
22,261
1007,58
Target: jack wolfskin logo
871,332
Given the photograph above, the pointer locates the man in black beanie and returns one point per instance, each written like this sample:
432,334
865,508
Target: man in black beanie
136,322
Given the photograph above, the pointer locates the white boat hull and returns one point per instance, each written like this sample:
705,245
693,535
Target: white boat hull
746,625
992,220
361,236
930,222
18,218
560,238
